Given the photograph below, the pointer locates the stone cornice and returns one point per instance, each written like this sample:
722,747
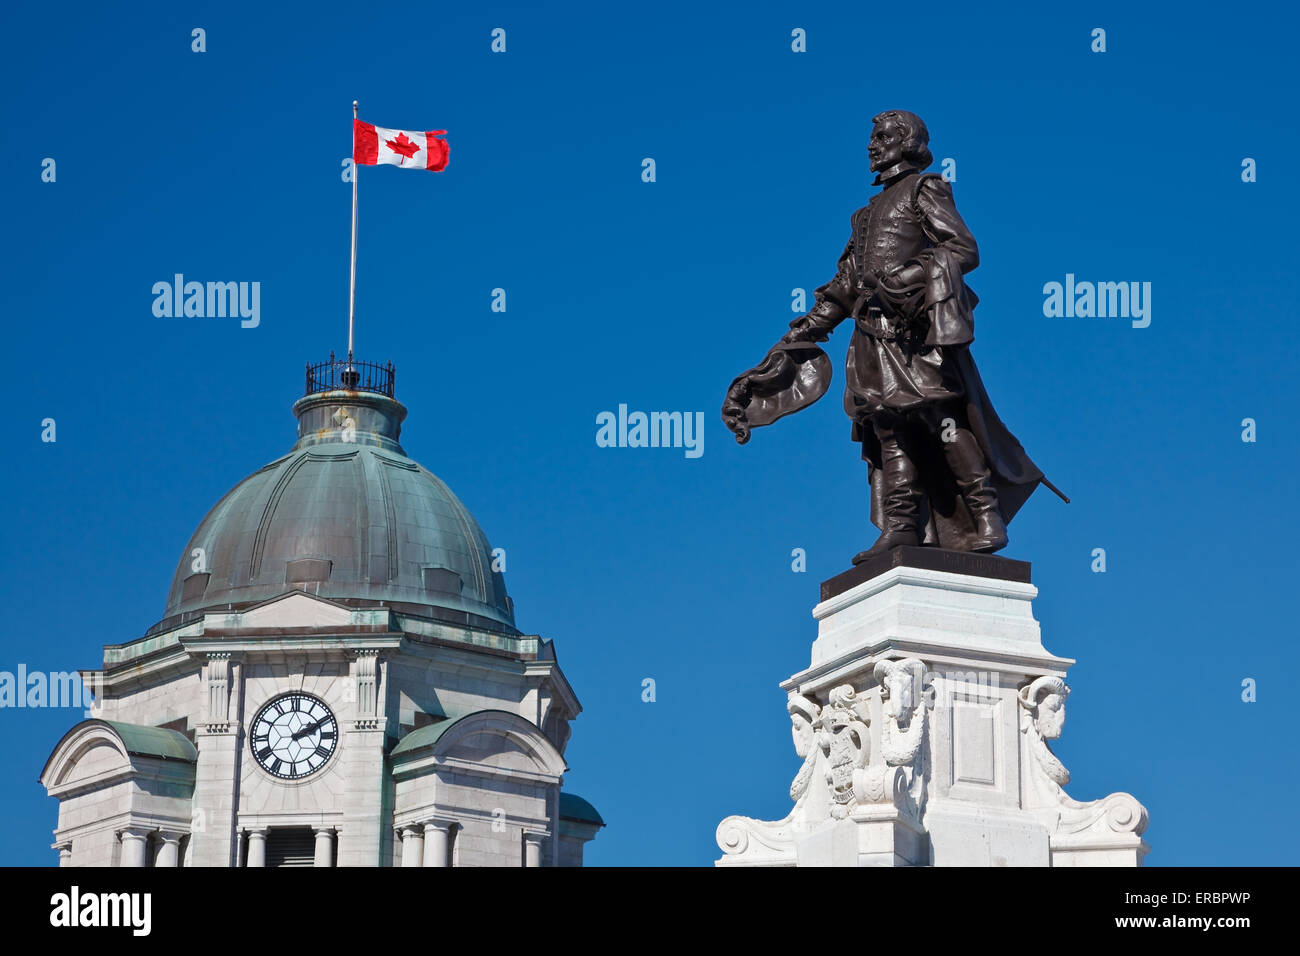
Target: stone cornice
563,690
253,629
271,645
990,656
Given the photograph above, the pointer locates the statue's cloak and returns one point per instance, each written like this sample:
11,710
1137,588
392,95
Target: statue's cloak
794,375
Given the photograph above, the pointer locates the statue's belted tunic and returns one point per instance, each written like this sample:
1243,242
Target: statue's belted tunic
890,365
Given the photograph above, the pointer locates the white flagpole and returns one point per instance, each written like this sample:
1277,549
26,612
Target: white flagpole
352,283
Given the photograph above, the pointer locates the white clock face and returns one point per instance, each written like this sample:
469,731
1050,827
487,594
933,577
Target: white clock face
294,736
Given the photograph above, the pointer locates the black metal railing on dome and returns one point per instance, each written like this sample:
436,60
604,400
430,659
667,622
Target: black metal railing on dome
350,375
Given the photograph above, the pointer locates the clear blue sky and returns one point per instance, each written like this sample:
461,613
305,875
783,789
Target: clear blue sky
1122,166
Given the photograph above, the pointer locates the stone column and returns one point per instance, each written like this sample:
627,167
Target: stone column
134,844
412,846
553,811
168,849
533,847
324,847
65,853
437,842
256,848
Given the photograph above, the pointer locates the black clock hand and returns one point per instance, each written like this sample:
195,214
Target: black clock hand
309,729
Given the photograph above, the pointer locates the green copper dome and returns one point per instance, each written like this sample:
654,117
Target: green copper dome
346,515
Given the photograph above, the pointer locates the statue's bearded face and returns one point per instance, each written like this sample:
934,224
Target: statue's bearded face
886,146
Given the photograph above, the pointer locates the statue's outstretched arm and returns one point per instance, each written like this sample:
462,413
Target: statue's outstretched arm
795,372
831,304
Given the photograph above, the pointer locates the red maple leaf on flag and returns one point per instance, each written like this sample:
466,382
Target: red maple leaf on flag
406,147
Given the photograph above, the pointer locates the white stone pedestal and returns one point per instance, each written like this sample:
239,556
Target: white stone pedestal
924,721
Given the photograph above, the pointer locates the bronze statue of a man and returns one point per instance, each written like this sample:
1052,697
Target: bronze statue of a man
944,469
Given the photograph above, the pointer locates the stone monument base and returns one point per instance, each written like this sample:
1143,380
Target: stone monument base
923,721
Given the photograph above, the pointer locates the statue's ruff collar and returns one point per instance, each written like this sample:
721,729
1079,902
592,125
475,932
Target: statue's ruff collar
887,176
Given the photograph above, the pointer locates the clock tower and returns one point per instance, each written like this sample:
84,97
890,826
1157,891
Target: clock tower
337,679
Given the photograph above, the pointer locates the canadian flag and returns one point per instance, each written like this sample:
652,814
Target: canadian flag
372,145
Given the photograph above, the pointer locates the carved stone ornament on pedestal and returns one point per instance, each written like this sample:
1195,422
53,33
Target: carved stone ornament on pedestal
1100,826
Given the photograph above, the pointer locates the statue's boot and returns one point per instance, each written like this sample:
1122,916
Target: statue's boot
971,472
901,500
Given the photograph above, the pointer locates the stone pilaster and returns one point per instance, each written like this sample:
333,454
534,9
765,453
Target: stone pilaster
364,805
533,840
216,777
